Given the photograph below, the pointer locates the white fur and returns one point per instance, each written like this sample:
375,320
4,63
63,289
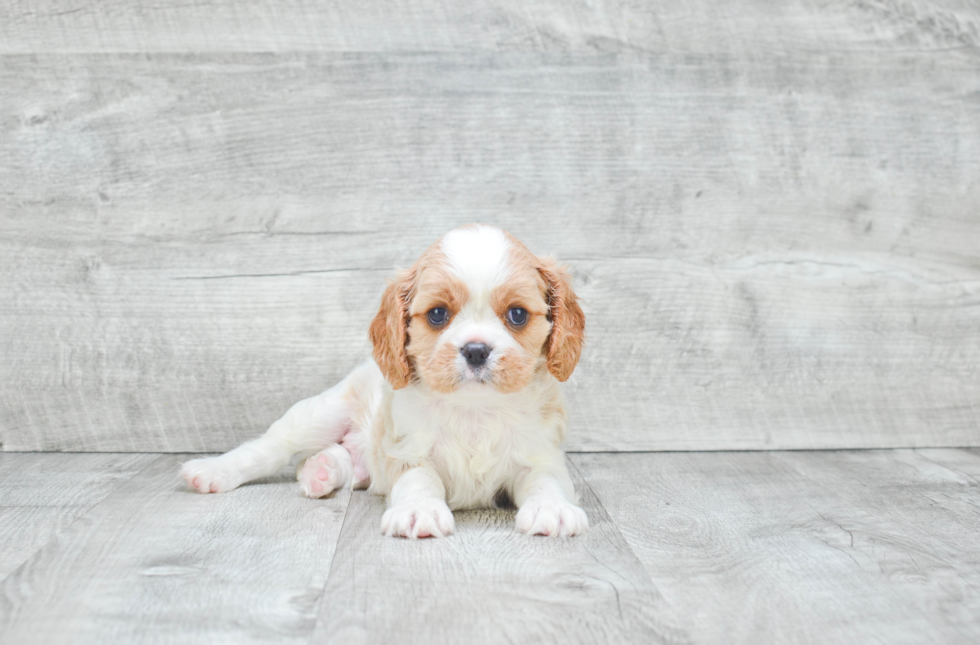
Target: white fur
418,507
479,256
479,441
429,452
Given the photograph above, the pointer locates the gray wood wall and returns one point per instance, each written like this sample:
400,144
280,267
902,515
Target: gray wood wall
772,209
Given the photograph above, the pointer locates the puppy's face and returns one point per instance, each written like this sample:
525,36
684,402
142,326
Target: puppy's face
478,310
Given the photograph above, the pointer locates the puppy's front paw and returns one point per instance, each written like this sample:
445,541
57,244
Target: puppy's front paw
543,515
417,518
210,475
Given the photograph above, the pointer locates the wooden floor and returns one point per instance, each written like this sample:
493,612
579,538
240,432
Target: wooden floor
771,547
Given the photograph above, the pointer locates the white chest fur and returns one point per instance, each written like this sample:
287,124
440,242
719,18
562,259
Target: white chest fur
476,439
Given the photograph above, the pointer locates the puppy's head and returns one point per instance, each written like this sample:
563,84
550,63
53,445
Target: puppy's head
478,310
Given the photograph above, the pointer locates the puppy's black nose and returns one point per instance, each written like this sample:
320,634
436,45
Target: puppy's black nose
475,353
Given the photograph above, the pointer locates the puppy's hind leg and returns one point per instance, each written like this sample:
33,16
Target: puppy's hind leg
309,426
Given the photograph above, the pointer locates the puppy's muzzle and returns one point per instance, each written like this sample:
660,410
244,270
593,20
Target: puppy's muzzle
476,354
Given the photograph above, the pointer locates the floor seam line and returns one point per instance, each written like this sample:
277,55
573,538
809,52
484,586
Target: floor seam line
612,521
333,564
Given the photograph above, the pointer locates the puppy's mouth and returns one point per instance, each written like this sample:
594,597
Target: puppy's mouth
482,375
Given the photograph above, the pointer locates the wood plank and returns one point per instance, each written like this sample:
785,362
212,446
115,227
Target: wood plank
782,257
41,495
156,563
966,462
937,504
51,479
799,547
743,26
488,583
25,529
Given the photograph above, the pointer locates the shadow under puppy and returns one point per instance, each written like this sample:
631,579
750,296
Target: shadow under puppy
460,404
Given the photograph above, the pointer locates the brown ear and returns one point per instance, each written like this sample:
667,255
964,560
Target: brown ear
389,332
567,320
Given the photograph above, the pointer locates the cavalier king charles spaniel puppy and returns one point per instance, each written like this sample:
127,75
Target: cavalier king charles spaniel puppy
460,407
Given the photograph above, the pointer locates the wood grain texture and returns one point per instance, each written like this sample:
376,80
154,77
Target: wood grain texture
771,255
156,563
737,547
31,26
488,583
24,530
801,547
771,211
965,461
34,479
41,495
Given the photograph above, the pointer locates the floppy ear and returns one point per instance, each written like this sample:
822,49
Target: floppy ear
567,320
389,331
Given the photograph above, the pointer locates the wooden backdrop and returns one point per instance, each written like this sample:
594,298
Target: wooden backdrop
772,209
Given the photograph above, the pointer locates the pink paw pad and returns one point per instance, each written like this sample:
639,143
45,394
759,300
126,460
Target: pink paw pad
319,475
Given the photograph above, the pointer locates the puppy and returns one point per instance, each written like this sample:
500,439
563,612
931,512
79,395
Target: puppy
460,406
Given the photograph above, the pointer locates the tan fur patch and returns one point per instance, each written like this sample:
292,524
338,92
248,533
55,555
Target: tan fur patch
513,370
389,329
388,334
526,289
567,320
437,287
435,364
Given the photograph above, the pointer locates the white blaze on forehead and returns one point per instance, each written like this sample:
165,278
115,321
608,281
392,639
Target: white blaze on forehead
479,256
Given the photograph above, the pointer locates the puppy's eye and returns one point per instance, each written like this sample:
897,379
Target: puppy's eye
437,316
517,316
